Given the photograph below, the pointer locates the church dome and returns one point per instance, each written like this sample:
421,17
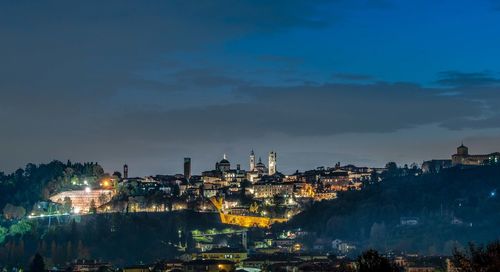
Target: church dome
224,161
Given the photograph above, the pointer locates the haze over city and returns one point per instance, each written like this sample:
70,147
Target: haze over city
147,84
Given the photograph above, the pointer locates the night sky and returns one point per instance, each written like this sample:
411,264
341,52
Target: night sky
148,83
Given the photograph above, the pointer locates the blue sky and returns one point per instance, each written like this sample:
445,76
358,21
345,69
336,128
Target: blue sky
146,84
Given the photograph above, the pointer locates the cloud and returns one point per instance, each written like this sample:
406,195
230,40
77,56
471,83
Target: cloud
455,78
95,49
117,79
304,110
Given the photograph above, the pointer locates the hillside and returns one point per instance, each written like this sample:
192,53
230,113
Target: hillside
452,208
24,187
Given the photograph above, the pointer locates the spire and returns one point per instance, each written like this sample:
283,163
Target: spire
224,156
260,160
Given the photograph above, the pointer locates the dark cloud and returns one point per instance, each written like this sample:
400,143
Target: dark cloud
455,78
93,49
129,80
206,78
306,110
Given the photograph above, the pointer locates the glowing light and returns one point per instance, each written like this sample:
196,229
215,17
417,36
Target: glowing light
87,190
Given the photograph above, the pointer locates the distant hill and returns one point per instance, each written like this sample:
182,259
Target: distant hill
452,208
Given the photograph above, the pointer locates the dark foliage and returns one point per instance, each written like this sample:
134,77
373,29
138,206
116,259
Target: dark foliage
37,265
123,239
26,186
371,261
478,258
453,207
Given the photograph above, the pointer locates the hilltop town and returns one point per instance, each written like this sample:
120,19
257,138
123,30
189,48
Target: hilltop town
230,216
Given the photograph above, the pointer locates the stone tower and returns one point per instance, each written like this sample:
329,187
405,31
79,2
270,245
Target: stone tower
125,171
252,161
187,168
272,163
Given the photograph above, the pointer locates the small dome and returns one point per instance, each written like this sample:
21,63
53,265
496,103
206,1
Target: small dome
224,161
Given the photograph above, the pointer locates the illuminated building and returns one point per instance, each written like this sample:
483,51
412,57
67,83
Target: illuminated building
272,163
223,174
81,199
269,190
241,220
229,254
224,165
209,266
327,195
335,177
303,189
88,266
258,171
462,157
187,168
136,268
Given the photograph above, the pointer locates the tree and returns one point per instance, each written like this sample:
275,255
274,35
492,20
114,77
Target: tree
176,190
392,169
478,258
67,204
13,212
117,174
93,208
102,199
371,261
37,265
21,228
3,234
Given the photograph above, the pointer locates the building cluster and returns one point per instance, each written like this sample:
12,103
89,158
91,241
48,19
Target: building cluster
260,191
231,259
461,158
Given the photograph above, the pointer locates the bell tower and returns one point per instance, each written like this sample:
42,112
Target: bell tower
252,161
125,171
272,163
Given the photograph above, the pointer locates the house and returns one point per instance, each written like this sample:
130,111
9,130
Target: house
137,268
229,254
209,266
88,265
409,221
